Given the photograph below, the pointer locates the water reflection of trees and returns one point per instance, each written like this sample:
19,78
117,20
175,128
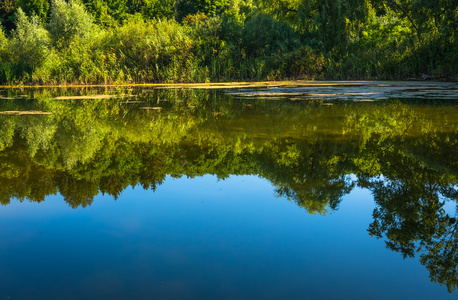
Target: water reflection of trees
403,152
409,212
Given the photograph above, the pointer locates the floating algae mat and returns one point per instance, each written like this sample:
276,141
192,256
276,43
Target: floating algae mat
357,91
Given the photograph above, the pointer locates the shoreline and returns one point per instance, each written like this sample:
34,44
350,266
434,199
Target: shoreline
247,84
272,90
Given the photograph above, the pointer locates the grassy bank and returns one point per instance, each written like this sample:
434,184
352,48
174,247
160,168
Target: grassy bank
240,41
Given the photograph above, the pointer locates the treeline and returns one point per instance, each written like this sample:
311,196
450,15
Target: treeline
137,41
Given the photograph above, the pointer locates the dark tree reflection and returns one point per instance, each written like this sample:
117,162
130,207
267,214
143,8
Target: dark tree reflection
410,198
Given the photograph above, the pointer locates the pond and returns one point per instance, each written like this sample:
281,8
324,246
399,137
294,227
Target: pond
294,191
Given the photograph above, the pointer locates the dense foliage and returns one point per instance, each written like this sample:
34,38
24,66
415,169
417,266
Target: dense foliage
108,41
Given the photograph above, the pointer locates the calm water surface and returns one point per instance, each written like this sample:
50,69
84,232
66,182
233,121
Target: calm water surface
196,194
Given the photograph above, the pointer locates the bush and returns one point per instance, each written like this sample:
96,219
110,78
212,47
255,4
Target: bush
153,51
377,53
34,7
81,62
158,9
205,34
3,39
263,35
435,58
28,47
6,70
304,63
68,21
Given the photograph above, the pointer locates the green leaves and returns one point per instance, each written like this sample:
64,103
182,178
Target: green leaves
68,21
29,45
35,7
3,39
208,7
158,9
153,51
264,36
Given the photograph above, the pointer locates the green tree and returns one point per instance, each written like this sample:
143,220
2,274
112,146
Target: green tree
282,10
425,17
7,9
68,21
153,50
117,9
37,7
263,36
99,10
3,39
158,9
29,45
208,7
109,12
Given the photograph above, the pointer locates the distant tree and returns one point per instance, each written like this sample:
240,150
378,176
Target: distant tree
99,10
5,67
158,9
37,7
3,38
263,35
208,7
69,20
117,9
424,16
283,10
7,9
29,44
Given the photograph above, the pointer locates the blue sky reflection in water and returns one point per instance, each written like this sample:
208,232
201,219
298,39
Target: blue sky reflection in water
201,238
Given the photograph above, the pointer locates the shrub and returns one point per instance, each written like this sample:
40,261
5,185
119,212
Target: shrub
304,63
35,7
28,47
158,9
81,62
263,35
5,67
153,51
3,39
68,21
205,33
